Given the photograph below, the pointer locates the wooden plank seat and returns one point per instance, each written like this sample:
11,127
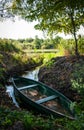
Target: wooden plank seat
27,87
46,99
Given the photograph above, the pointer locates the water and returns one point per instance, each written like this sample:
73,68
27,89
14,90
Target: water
10,91
29,74
32,74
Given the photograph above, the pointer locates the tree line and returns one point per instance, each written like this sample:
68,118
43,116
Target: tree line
10,45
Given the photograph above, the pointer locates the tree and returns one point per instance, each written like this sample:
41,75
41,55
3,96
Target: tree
6,9
37,42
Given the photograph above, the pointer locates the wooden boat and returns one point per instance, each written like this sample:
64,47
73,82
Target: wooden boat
42,98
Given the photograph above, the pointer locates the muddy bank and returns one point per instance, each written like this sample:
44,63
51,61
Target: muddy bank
20,69
60,73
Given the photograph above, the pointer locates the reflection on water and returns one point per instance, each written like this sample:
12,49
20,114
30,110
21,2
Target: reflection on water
29,74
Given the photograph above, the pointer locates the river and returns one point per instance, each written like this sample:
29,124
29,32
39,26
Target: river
28,74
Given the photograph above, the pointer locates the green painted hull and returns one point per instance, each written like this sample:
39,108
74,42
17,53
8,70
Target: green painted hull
42,98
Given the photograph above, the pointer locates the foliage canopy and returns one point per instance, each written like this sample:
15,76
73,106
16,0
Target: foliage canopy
52,15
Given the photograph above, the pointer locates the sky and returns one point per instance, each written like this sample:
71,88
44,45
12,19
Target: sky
18,29
21,29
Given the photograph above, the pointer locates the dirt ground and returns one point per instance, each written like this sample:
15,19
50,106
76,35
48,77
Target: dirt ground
59,75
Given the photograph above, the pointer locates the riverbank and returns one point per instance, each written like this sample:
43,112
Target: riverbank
60,73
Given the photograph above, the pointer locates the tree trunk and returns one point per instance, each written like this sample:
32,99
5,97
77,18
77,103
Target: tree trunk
74,34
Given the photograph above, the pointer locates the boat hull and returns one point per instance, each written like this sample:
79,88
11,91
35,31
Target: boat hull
39,105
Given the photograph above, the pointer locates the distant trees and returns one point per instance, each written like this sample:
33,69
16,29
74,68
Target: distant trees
29,43
66,45
37,42
9,45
